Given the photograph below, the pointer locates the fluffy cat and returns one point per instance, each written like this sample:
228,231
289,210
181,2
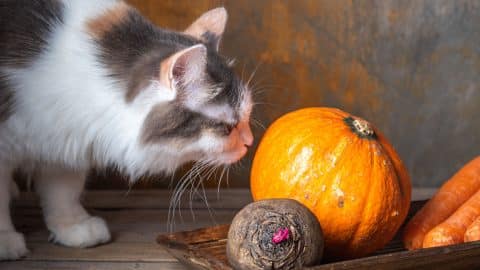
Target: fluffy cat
87,83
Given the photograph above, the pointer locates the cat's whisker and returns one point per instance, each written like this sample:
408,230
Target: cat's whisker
219,179
193,178
210,173
262,86
200,184
259,88
228,173
220,182
240,164
243,72
130,186
194,187
173,206
172,178
188,181
258,123
257,82
175,201
196,173
252,75
257,93
266,103
192,190
208,205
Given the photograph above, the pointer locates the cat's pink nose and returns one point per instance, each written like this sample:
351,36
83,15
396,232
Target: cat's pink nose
245,133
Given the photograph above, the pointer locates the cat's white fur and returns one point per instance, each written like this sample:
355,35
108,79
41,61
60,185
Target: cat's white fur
67,113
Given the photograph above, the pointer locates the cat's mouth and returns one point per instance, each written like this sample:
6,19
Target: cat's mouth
235,156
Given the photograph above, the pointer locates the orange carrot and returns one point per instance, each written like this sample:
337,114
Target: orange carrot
473,231
456,191
452,230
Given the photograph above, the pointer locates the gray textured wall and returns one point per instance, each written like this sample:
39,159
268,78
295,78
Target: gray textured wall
410,67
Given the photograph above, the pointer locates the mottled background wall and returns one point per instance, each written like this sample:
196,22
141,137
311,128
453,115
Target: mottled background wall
410,67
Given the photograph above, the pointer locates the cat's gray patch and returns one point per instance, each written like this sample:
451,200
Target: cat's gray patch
220,73
25,28
6,99
134,48
174,122
145,70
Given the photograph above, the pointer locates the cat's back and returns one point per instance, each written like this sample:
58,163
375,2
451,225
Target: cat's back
47,57
43,41
25,28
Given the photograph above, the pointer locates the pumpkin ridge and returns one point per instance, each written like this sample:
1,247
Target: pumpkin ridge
340,142
397,176
395,171
343,157
398,180
298,185
330,174
361,215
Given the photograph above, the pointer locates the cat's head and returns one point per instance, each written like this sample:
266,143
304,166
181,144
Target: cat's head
204,111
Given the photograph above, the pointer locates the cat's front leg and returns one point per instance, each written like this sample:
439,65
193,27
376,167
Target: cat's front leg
68,222
12,243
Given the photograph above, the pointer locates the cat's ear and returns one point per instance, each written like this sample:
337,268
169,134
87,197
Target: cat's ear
184,67
209,27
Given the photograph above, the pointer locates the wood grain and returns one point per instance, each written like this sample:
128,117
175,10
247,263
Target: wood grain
152,199
127,225
115,252
64,265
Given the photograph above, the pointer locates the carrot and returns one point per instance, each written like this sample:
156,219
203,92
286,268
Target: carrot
452,230
453,193
473,231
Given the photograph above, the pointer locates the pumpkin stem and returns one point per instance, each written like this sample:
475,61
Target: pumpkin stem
361,127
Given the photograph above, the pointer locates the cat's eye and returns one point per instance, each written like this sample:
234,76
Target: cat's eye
227,128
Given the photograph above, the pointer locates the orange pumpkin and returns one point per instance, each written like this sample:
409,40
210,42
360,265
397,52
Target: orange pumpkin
343,170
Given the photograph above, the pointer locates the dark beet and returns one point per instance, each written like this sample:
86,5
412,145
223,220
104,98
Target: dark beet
274,234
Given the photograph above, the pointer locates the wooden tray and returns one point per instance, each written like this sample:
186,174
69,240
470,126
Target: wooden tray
205,249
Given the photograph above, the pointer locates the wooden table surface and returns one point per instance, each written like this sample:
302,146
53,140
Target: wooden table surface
135,219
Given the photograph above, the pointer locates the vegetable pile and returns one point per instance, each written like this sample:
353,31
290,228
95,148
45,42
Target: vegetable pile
452,216
352,181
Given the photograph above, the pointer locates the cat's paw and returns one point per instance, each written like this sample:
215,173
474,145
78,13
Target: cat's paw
90,232
12,245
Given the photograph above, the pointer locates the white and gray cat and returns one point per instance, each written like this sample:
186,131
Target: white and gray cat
86,83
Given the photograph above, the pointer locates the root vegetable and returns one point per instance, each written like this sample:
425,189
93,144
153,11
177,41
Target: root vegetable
274,234
456,191
452,230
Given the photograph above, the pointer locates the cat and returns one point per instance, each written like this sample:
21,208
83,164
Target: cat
87,83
